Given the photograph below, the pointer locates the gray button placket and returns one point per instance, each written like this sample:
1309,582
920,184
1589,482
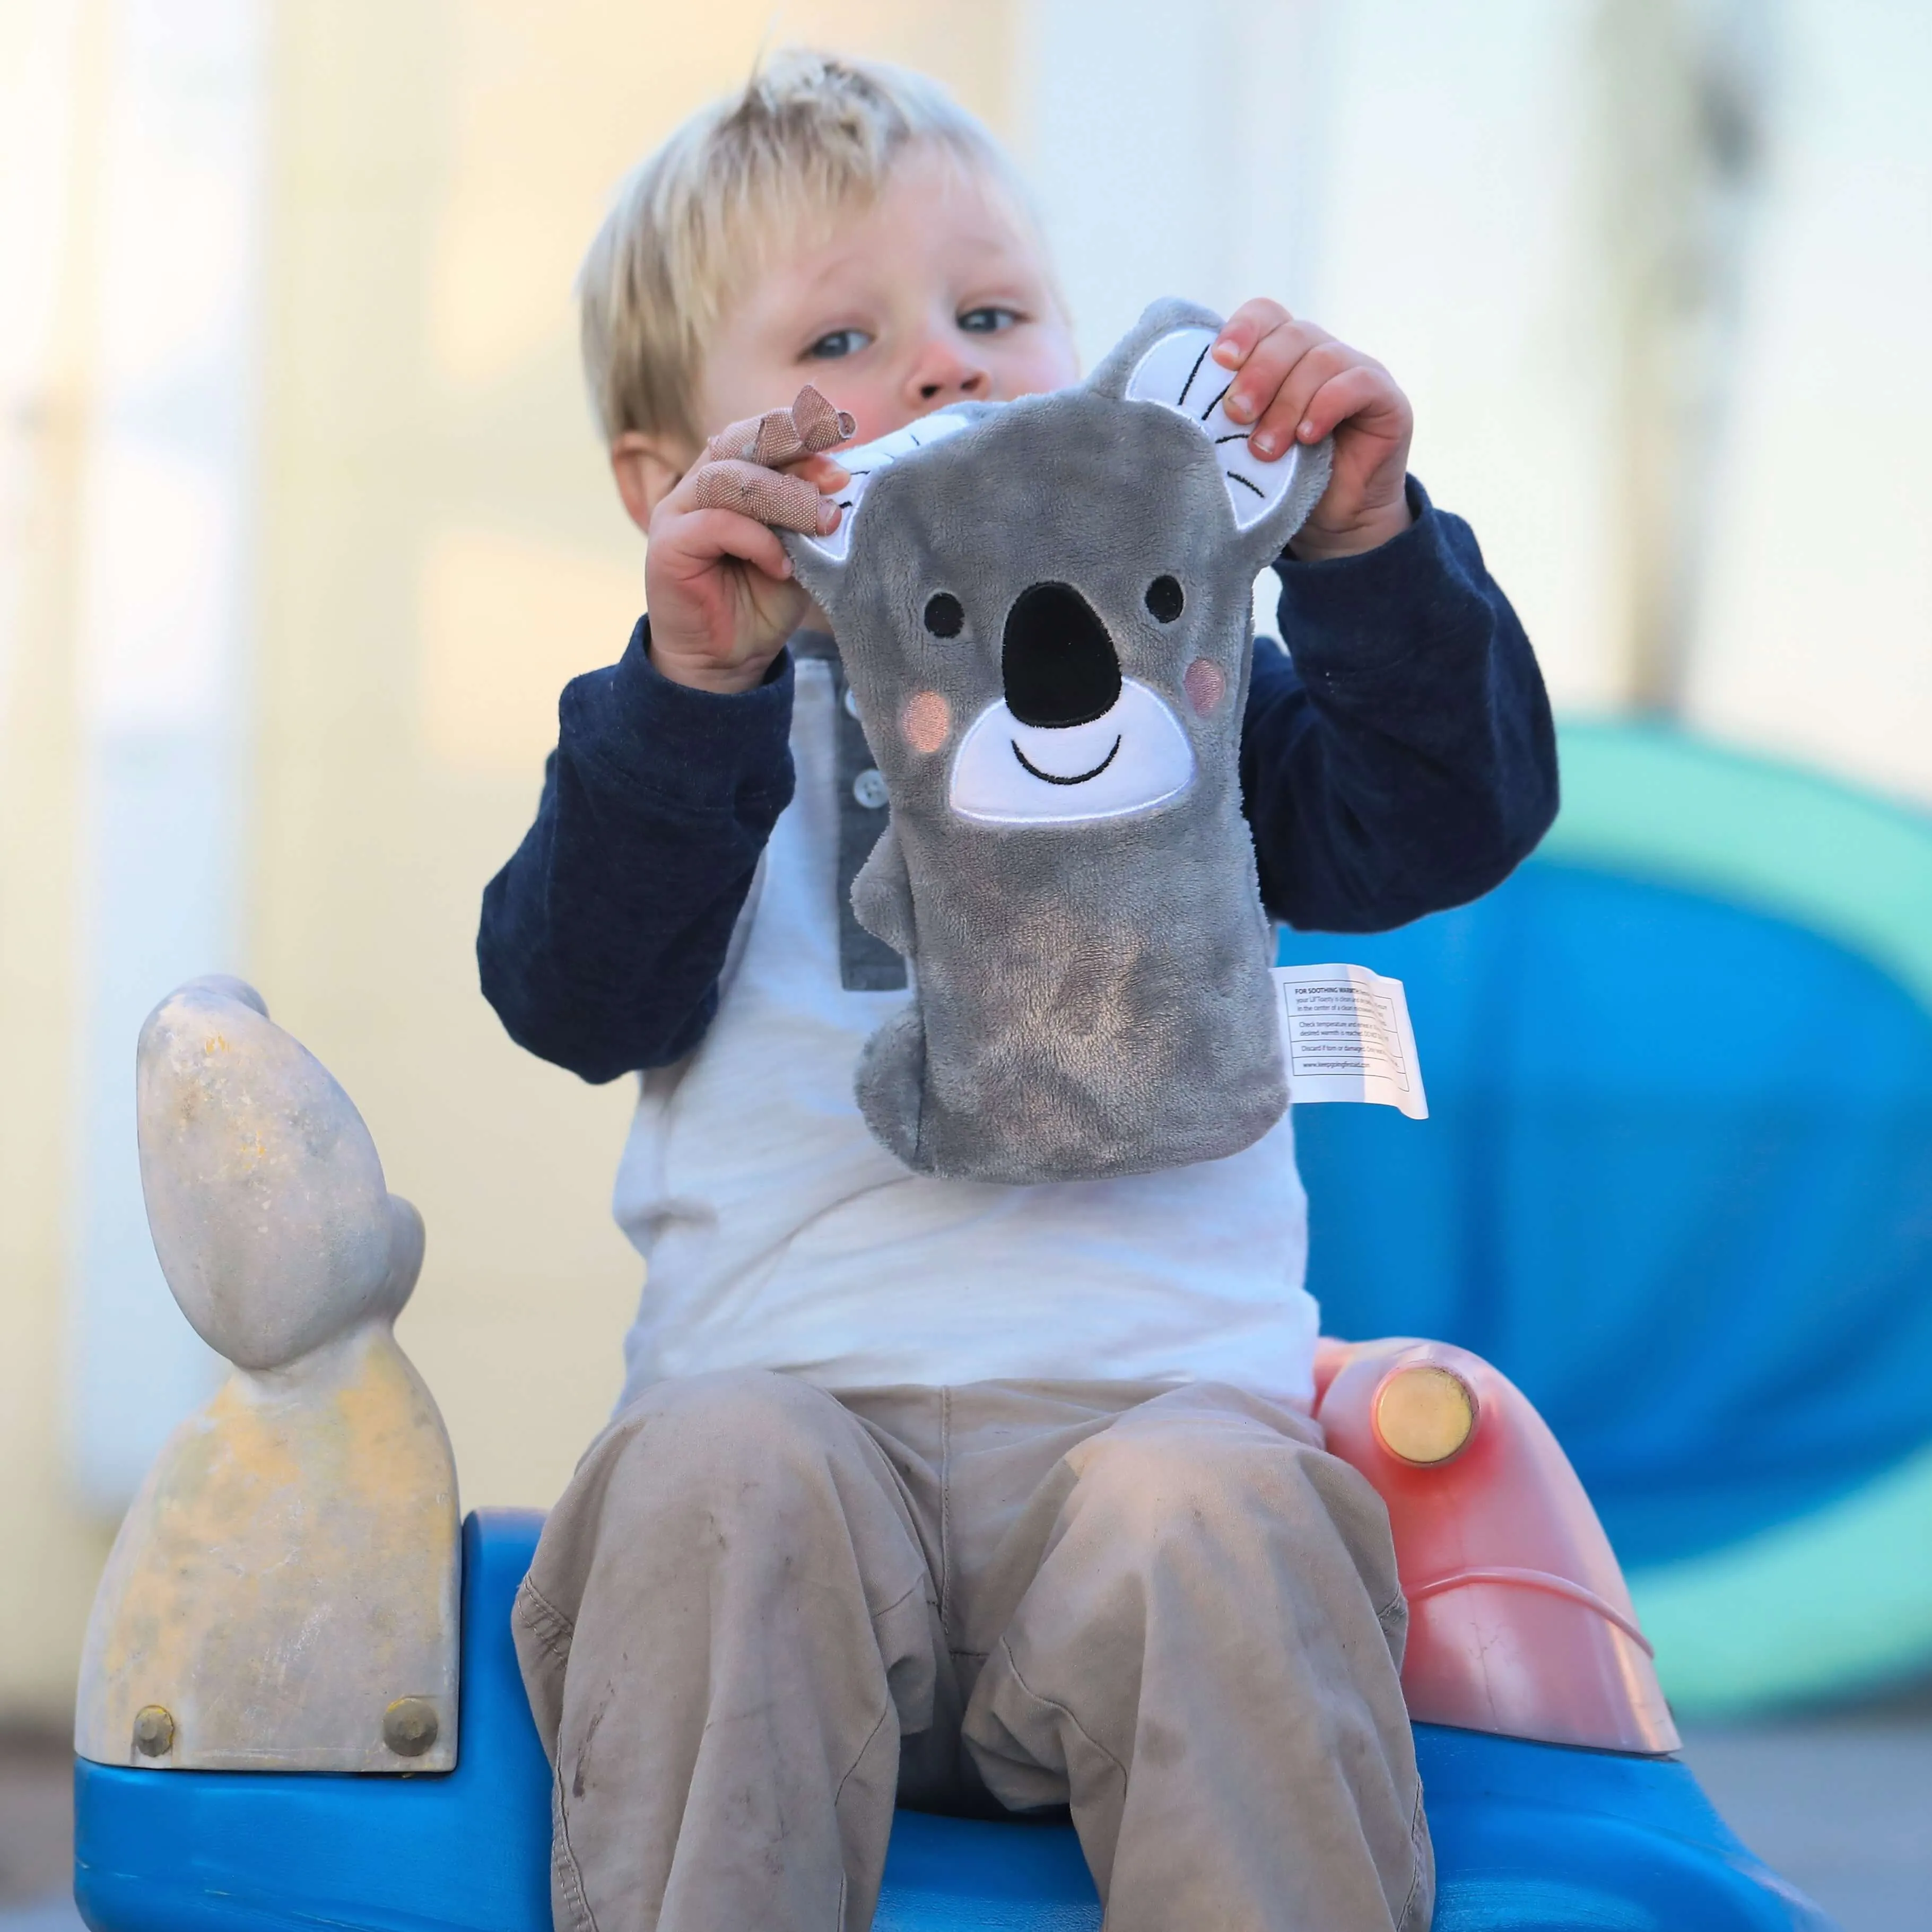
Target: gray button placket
865,965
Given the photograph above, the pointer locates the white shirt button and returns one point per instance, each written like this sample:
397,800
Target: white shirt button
851,704
869,789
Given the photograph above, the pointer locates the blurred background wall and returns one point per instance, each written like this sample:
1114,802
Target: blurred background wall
302,525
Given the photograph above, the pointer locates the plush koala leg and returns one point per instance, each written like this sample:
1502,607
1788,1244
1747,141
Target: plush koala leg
882,894
890,1084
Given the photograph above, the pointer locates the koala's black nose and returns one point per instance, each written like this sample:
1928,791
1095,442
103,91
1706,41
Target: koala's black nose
1058,662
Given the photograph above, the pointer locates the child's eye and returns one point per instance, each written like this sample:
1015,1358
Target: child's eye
990,320
841,342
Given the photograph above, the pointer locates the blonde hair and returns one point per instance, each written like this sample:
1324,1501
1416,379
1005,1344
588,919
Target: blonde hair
810,133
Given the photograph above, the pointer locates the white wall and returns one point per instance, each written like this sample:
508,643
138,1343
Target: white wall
1428,181
164,610
1402,173
38,50
1816,637
1172,156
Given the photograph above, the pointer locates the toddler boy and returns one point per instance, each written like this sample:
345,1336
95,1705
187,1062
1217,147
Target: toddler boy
963,1496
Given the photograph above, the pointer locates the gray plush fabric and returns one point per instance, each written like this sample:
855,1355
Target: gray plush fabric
1066,865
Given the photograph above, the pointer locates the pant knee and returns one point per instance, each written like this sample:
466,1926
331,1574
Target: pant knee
1200,1475
736,1444
729,1407
691,1461
1232,1481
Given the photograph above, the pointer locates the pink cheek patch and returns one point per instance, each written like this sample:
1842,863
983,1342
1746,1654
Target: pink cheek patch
926,720
1206,684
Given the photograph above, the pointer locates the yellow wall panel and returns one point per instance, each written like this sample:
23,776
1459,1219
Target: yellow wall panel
442,549
53,1549
504,623
437,548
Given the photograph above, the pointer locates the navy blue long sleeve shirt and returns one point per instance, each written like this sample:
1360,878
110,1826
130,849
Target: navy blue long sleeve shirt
1396,758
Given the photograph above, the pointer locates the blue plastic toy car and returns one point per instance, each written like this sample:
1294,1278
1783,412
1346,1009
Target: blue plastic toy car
1529,1837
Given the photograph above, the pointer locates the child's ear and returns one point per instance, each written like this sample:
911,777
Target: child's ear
647,469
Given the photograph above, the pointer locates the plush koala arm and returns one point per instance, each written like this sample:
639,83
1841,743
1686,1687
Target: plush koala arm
882,895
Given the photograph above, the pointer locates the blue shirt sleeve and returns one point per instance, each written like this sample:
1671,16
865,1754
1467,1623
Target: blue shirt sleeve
1400,757
603,938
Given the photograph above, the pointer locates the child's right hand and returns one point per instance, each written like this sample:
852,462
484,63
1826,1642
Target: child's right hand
721,592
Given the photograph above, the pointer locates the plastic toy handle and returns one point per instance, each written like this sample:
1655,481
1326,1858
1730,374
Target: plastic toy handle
1520,1621
1424,1415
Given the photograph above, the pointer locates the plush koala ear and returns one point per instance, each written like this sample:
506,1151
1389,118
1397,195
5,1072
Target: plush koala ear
821,561
1164,359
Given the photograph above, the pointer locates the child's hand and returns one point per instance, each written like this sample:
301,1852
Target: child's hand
718,581
1296,384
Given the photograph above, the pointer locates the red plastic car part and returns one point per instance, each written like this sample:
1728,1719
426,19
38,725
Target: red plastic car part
1520,1622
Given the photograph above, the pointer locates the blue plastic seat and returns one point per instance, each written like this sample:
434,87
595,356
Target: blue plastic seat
1529,1837
1674,1186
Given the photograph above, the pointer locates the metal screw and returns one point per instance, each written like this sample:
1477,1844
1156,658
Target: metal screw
409,1727
154,1730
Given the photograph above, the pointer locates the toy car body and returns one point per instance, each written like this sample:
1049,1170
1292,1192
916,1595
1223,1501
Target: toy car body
1530,1837
237,1773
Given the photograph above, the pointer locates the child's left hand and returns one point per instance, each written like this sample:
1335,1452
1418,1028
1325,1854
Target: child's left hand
1296,384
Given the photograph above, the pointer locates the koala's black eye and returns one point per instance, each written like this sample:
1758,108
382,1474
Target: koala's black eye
1164,598
944,616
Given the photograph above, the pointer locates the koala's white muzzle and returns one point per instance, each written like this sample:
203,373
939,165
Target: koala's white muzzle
1131,758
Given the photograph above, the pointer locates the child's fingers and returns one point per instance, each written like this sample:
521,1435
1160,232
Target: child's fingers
825,473
1280,418
1244,328
739,442
1267,368
767,495
1364,394
706,535
818,425
780,437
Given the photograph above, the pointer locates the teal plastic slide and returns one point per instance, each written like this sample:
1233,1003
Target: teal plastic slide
1677,1185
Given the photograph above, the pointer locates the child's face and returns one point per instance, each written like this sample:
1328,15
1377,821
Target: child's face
937,292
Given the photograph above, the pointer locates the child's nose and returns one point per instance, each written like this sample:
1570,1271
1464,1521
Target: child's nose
941,374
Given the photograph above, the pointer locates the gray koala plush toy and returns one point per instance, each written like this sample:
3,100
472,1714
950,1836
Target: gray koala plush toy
1044,610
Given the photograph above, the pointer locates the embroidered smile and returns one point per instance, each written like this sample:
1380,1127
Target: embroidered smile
1148,760
1053,778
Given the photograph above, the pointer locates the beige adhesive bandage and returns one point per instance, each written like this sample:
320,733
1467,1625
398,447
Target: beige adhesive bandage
741,469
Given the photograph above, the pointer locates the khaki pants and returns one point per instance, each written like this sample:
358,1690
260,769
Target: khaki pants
761,1614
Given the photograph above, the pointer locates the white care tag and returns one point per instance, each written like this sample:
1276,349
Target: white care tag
1346,1035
